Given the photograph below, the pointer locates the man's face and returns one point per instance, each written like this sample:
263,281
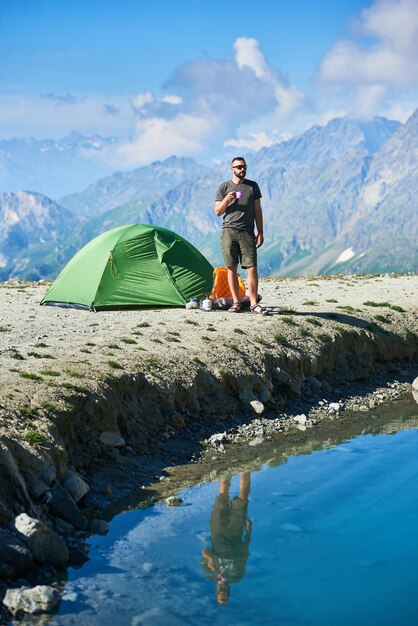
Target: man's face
239,169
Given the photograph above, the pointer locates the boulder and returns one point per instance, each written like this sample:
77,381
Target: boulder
62,505
15,556
75,485
35,600
45,544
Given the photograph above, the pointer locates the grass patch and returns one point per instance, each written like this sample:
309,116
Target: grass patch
383,319
41,344
151,361
17,356
34,437
280,339
196,359
74,374
289,320
304,331
85,351
310,303
205,338
261,341
395,307
331,300
340,329
30,376
143,325
377,304
192,322
114,365
113,346
347,308
128,340
48,407
89,343
76,388
239,331
233,346
50,373
156,340
4,329
324,337
286,311
172,339
38,355
313,321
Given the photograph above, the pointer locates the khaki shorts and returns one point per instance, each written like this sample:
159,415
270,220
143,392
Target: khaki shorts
238,246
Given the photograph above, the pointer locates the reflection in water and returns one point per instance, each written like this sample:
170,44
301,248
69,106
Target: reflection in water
230,536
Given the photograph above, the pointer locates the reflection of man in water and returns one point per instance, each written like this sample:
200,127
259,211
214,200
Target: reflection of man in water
230,535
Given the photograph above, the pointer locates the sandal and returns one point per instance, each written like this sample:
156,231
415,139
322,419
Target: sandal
257,308
235,308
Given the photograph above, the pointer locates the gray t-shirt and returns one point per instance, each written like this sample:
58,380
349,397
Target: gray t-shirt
240,214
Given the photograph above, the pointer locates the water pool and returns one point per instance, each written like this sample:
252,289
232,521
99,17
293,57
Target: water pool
328,538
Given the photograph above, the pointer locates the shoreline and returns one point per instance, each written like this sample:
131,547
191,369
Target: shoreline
95,406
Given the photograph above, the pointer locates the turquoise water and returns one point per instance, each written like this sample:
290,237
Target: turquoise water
328,538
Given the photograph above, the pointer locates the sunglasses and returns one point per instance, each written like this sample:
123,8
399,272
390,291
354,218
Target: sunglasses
239,167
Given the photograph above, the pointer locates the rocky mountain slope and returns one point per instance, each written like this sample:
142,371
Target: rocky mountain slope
338,199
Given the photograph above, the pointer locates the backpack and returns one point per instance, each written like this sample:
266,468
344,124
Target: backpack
220,284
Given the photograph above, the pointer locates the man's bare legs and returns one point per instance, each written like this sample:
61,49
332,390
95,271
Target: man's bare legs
233,283
244,485
252,284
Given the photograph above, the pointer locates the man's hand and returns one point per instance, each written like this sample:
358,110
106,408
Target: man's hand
259,240
221,207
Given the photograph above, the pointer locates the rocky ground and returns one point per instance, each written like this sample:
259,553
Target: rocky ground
94,406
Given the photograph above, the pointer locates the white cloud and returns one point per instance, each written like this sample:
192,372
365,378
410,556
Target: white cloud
54,116
248,54
213,100
256,141
370,72
392,58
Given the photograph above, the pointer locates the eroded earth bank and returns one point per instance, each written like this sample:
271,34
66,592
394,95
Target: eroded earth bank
95,407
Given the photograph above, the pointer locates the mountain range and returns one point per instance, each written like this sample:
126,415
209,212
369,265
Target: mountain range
337,199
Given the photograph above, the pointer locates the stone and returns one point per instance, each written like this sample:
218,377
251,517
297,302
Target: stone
98,527
49,474
265,395
300,419
314,382
217,439
415,384
173,501
281,376
63,505
301,427
334,407
112,439
363,408
35,600
15,556
45,544
247,396
75,485
257,407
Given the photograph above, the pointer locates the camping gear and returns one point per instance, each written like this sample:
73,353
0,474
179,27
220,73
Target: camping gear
206,304
136,265
220,284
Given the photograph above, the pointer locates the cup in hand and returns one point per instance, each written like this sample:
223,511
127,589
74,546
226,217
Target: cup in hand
238,194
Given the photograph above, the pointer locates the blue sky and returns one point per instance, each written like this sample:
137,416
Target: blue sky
196,78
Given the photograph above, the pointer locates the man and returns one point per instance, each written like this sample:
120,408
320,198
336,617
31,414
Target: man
226,560
238,201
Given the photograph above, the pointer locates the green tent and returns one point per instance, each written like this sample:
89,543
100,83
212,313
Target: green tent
137,266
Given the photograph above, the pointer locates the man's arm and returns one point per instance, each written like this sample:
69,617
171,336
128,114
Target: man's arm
221,207
258,216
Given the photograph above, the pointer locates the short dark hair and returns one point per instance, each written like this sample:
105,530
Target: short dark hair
237,159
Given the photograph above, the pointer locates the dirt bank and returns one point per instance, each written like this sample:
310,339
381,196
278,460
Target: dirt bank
118,395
